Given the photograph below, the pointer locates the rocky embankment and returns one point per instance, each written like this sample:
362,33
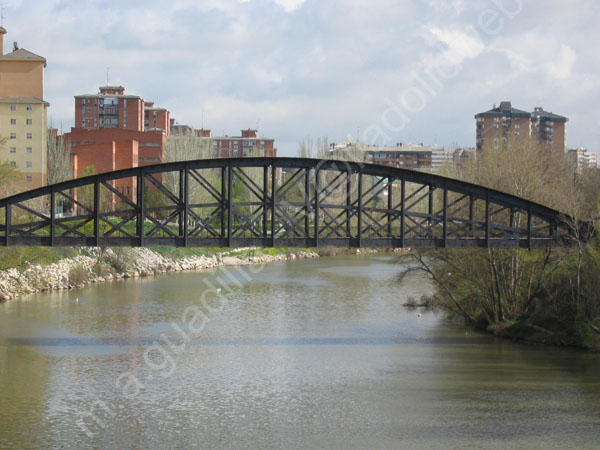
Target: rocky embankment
96,266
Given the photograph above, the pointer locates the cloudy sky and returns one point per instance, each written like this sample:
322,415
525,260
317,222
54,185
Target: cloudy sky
384,71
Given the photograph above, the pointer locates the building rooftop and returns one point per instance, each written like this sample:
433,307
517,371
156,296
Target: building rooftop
22,55
504,110
23,100
538,112
107,95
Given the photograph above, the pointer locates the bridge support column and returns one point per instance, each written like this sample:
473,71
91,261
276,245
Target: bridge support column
186,204
97,213
307,206
141,207
403,212
266,203
52,216
360,207
8,220
317,195
445,219
273,202
229,204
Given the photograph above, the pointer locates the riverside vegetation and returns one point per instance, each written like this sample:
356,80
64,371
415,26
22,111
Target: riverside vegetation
543,296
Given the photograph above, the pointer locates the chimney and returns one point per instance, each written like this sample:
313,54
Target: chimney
2,33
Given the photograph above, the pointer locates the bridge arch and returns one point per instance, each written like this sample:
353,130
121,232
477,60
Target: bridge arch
277,202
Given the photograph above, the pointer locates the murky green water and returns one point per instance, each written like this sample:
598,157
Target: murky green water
309,354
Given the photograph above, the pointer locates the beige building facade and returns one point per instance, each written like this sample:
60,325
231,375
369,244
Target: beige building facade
23,114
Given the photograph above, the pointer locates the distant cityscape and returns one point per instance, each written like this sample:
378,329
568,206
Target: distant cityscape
115,130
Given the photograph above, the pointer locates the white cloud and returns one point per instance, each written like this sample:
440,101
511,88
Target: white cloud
460,43
317,67
562,66
290,5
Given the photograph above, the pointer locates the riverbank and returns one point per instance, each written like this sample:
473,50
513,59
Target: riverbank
97,265
585,335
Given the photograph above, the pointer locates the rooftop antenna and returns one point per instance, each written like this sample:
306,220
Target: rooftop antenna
107,76
203,119
2,6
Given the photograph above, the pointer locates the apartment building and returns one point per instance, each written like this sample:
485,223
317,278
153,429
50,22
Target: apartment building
505,124
23,114
582,159
403,155
248,143
550,129
114,130
500,124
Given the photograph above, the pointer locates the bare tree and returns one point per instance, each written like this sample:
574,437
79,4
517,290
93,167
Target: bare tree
188,147
489,286
9,174
59,166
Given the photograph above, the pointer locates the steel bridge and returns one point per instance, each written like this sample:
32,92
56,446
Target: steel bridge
277,202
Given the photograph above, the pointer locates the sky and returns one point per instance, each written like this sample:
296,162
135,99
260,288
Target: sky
381,71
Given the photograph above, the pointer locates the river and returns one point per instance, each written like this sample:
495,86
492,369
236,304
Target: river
312,354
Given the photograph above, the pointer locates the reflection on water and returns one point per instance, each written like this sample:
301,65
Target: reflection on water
307,354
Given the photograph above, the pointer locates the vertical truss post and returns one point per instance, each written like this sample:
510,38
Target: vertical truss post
96,212
430,207
141,203
390,206
529,231
348,202
186,204
487,220
8,220
229,204
512,218
181,202
317,195
360,206
445,218
307,202
223,201
471,214
273,201
52,216
402,211
266,197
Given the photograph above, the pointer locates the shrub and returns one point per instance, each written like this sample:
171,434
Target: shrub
78,274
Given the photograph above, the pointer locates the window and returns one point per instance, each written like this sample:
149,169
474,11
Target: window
29,150
28,164
29,136
28,121
128,191
13,135
28,178
13,149
29,108
13,107
13,164
13,121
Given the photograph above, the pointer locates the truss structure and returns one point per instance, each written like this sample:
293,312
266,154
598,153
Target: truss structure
278,202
